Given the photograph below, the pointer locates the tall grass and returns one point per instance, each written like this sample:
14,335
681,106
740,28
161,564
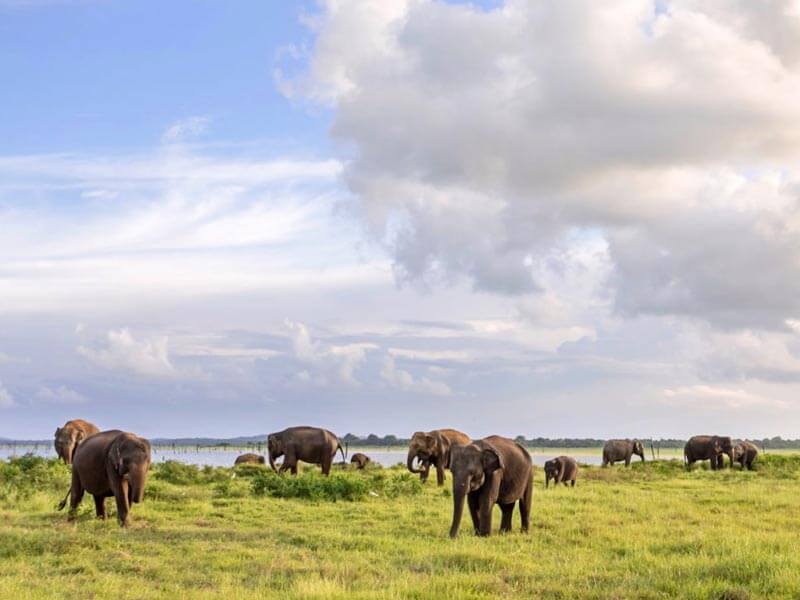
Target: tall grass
650,531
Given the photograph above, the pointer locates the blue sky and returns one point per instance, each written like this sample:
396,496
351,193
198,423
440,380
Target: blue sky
554,218
100,75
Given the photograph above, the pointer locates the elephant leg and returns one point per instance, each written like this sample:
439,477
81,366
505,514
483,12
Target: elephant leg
326,465
525,506
100,506
75,495
508,512
439,474
488,498
627,461
472,500
289,463
573,483
546,481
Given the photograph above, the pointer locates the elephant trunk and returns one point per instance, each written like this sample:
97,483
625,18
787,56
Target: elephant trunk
410,461
730,455
136,481
272,461
69,452
459,495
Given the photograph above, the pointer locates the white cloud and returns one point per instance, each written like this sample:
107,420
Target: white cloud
185,129
6,399
331,362
709,396
122,351
60,395
530,128
403,380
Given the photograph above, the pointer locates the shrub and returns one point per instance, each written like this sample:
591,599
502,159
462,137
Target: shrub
341,486
180,473
21,476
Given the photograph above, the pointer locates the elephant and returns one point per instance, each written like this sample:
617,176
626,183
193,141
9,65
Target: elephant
561,470
110,463
309,444
615,450
433,448
493,470
68,437
360,460
249,458
710,448
745,453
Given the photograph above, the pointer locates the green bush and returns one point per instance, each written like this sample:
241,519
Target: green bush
22,476
349,486
180,473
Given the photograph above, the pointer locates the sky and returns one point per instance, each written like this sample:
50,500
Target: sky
558,218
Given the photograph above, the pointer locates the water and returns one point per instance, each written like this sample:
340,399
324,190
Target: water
219,457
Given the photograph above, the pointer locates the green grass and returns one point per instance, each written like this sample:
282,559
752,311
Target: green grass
651,531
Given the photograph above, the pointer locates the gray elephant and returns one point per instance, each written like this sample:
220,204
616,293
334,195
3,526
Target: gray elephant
561,469
309,444
616,450
360,460
69,437
745,453
493,470
433,448
710,448
249,458
110,463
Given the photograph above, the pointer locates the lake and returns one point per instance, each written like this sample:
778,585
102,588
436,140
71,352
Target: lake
222,457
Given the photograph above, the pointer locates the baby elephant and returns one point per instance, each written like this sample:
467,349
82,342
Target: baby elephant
745,453
109,463
360,460
249,459
561,470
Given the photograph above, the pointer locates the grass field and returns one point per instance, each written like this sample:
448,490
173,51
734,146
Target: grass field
651,531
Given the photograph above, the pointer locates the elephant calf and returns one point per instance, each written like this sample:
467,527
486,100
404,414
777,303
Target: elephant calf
69,437
494,470
360,460
745,454
615,450
561,470
433,448
249,458
110,463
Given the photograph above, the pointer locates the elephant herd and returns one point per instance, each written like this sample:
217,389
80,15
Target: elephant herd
492,470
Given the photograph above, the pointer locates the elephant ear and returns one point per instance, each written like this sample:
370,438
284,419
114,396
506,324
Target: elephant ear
491,459
116,456
58,430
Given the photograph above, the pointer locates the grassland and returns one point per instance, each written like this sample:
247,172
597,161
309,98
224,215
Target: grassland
651,531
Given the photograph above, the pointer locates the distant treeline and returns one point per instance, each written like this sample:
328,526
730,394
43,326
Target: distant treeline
775,443
257,441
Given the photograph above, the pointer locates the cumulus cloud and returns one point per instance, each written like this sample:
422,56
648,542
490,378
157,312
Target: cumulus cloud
403,380
331,362
122,351
486,141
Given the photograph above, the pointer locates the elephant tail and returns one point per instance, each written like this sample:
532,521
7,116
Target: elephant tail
63,503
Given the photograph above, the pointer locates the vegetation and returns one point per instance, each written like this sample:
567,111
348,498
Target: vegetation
651,531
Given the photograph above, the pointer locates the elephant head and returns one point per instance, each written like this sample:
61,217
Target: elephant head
724,445
470,465
129,456
423,447
274,450
66,441
638,449
552,469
